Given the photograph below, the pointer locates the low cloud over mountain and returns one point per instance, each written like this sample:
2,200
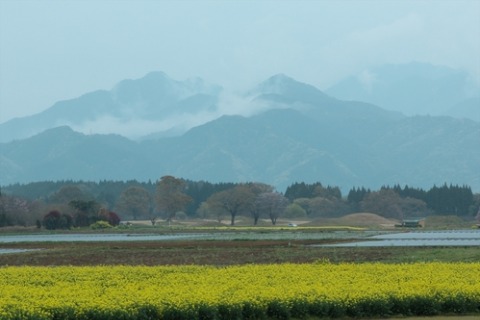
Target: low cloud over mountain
157,106
132,108
279,132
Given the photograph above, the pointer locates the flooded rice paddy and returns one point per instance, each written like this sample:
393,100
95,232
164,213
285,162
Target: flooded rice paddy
358,239
419,239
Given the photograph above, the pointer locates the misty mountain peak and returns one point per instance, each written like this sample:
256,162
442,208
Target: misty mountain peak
157,75
277,84
61,130
152,85
61,133
134,107
413,88
280,78
158,87
281,89
198,85
156,103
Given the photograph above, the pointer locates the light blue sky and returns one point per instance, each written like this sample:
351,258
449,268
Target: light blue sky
56,50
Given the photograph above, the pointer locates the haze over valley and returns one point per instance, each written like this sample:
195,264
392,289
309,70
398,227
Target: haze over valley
278,132
346,93
152,151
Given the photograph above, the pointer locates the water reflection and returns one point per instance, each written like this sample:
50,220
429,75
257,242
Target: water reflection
457,238
91,237
4,251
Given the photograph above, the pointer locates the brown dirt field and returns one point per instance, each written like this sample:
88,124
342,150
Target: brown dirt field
219,253
159,253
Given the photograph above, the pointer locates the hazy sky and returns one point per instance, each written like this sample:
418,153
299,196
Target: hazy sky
56,50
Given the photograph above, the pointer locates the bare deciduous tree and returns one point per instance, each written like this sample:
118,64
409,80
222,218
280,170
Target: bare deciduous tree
272,204
234,200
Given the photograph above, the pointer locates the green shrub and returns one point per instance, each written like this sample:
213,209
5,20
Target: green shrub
370,308
147,312
252,311
56,220
299,308
278,310
206,312
176,314
229,312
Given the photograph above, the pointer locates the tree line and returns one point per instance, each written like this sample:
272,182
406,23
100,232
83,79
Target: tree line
65,204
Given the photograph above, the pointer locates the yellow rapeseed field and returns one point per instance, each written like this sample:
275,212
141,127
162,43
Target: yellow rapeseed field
239,292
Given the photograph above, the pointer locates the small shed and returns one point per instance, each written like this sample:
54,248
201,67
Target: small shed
413,223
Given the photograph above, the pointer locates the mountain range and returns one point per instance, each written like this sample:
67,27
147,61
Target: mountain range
415,89
284,131
132,108
158,106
